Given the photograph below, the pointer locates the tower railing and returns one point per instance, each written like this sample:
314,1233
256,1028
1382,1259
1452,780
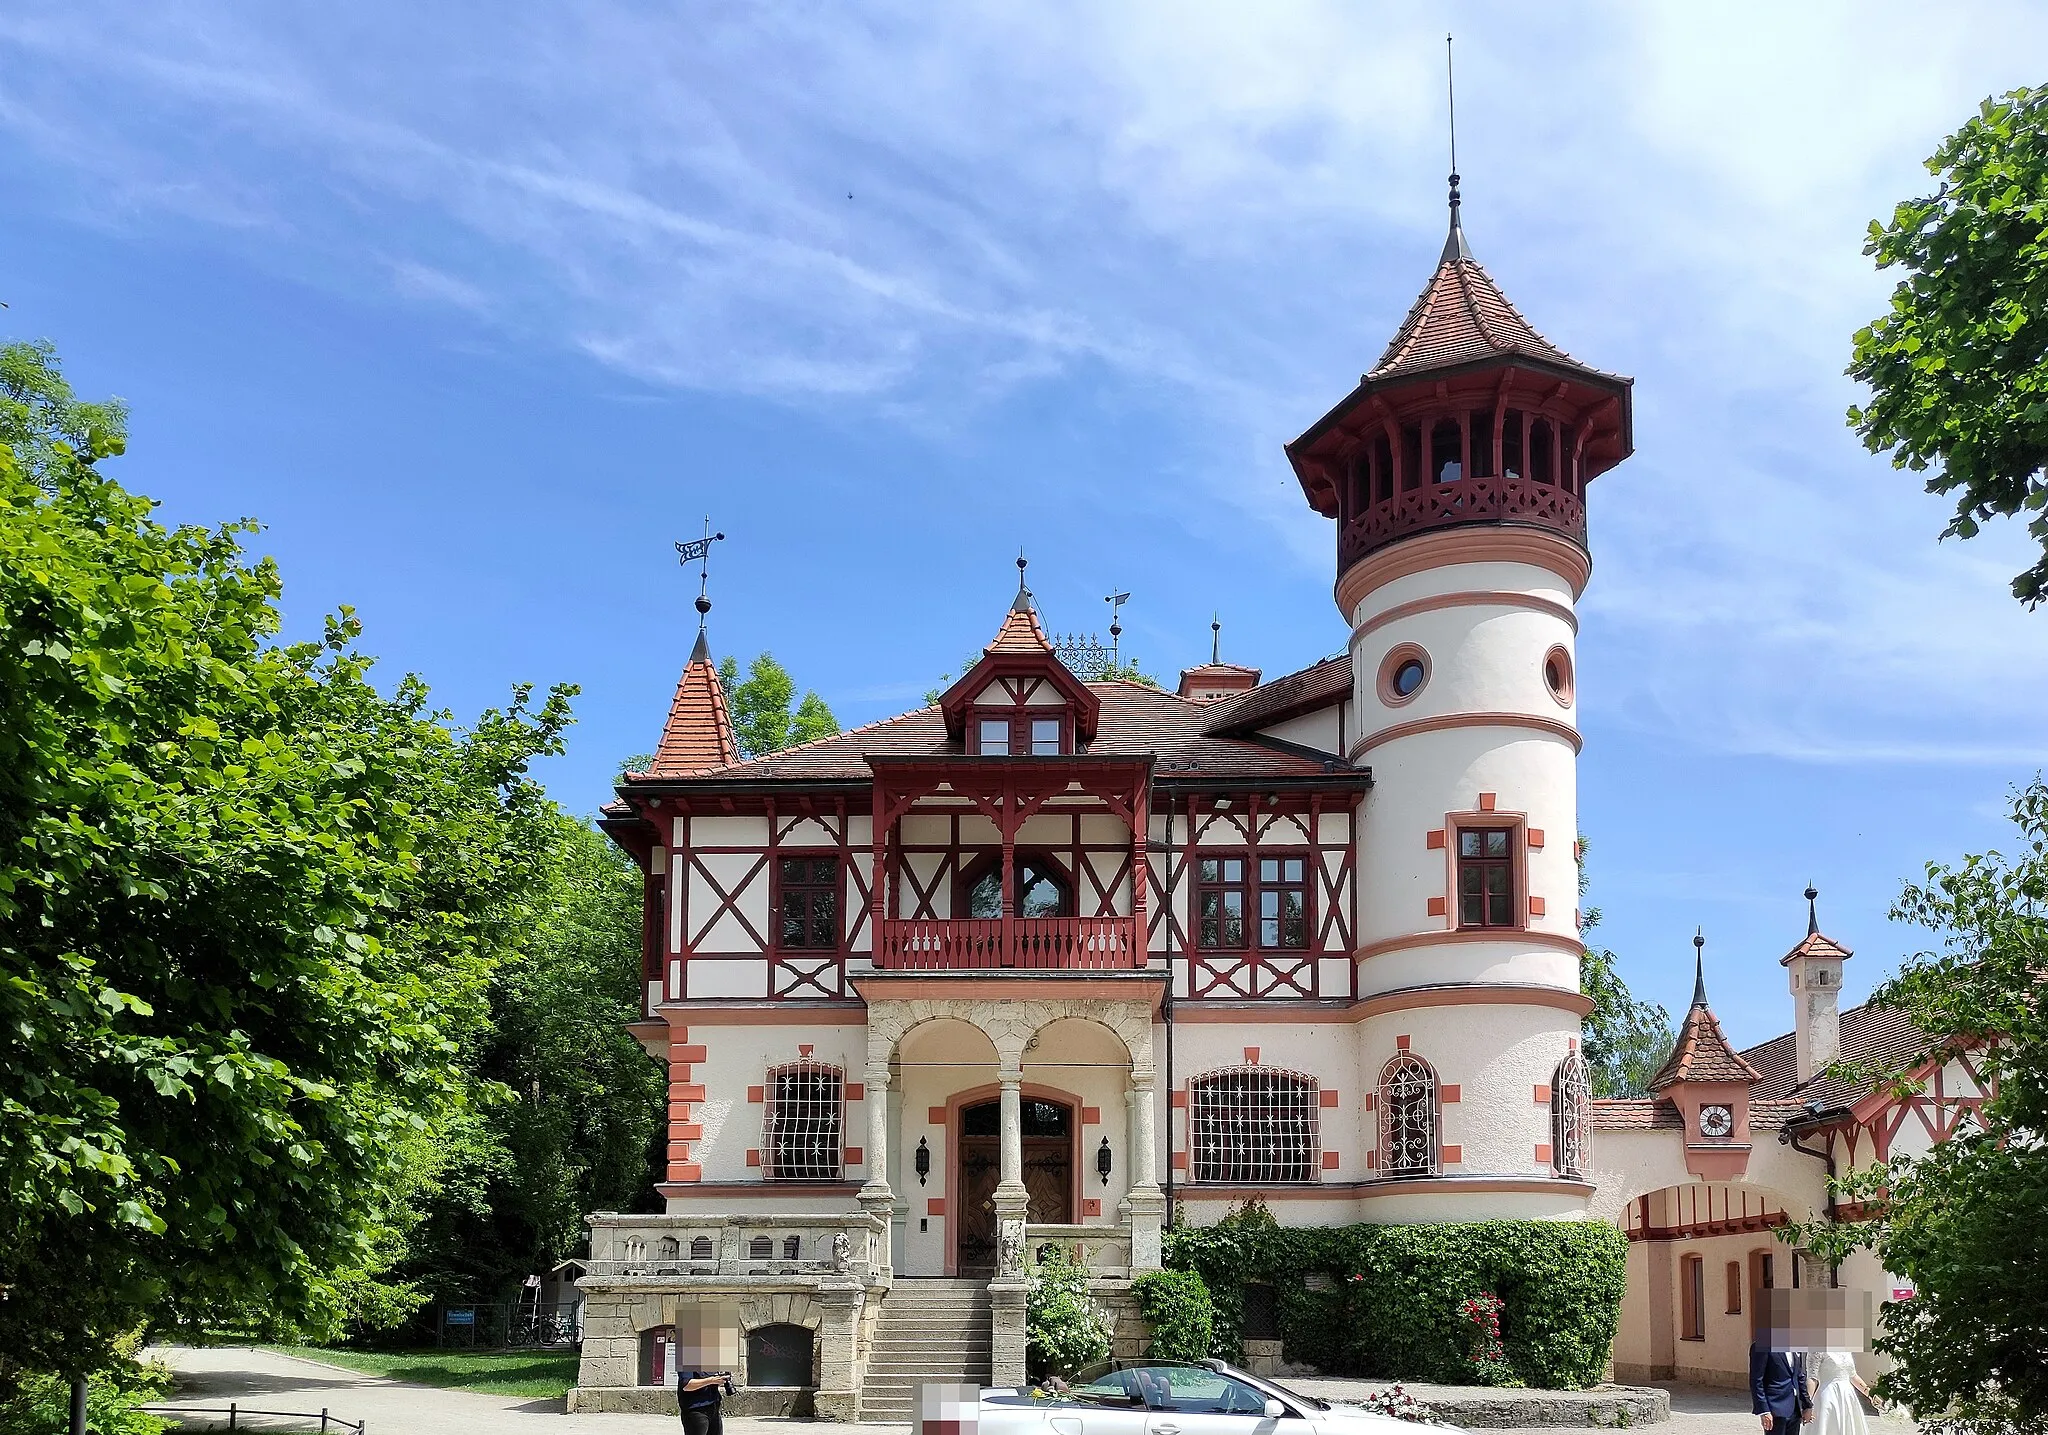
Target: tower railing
1035,943
1461,501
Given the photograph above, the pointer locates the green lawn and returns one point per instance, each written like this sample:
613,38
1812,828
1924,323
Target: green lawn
495,1372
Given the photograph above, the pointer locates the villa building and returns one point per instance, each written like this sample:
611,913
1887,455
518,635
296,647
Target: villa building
1052,955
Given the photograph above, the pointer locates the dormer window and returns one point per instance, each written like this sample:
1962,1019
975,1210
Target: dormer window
1019,734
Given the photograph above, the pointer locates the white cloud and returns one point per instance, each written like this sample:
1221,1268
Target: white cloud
1227,208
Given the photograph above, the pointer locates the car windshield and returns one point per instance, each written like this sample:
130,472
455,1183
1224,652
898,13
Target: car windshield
1209,1388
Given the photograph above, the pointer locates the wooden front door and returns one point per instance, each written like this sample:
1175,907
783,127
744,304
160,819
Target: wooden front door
1048,1175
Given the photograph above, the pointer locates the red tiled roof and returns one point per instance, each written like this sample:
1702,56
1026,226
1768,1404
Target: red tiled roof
1815,944
1874,1035
698,735
1020,633
1136,721
1313,687
1701,1053
1461,317
1657,1113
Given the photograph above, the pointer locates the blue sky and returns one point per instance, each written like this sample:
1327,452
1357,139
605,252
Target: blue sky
479,308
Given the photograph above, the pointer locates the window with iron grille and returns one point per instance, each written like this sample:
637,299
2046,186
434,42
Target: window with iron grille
1219,902
810,903
1252,1125
1283,901
1408,1145
1486,877
1570,1104
803,1123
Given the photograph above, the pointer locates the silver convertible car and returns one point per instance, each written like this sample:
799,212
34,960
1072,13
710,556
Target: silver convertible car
1158,1397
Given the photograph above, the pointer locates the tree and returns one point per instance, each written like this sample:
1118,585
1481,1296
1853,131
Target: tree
38,411
249,909
1967,1223
566,1100
1625,1040
1958,367
760,711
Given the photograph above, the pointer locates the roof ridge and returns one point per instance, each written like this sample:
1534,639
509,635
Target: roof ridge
818,741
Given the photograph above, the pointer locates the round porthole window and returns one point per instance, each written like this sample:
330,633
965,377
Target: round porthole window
1557,675
1404,672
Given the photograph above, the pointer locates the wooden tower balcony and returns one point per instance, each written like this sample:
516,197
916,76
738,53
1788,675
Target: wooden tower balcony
1092,944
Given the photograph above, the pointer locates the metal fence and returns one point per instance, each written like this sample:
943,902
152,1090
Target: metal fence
237,1413
509,1325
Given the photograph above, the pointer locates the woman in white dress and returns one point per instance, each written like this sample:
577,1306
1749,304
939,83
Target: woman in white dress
1837,1410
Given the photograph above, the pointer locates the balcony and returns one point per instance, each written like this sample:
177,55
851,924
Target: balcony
1462,501
1087,944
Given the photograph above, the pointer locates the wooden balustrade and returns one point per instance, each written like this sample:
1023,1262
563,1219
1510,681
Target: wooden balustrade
1035,944
1464,500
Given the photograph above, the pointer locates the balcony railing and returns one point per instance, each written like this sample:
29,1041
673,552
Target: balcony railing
1464,500
1035,944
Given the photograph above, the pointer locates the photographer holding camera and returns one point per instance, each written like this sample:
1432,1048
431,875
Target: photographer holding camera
700,1393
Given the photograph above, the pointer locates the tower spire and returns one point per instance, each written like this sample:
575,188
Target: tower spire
1699,967
1812,911
698,551
1022,602
1215,638
1455,247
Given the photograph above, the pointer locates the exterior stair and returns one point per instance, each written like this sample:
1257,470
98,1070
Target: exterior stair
929,1331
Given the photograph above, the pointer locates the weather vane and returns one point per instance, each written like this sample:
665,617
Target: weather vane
1116,627
698,551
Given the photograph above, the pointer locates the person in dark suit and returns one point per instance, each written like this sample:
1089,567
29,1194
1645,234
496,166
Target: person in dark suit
1777,1386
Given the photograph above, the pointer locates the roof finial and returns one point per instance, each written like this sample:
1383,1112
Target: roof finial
1022,602
1454,245
1116,602
698,551
1215,638
1812,911
1699,967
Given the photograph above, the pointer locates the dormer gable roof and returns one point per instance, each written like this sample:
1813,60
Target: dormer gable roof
1020,649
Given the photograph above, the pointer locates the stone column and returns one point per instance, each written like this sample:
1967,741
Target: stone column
838,1394
875,1196
1145,1201
1007,1333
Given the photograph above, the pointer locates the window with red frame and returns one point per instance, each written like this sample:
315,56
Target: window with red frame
810,904
1283,901
1219,902
1022,734
1486,877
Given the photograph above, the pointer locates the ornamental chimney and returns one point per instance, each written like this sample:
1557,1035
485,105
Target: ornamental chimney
1815,969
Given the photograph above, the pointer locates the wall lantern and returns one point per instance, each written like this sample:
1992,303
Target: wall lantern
1103,1161
924,1160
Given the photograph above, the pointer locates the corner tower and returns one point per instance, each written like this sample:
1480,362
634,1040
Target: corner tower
1457,472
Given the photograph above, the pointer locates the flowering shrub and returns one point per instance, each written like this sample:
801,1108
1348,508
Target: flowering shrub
1488,1356
1396,1402
1064,1328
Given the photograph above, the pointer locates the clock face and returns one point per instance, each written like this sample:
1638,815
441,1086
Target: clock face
1716,1121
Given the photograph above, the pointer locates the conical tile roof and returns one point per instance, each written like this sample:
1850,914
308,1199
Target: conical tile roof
698,734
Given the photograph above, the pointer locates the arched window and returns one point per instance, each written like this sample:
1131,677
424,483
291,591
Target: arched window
1408,1135
1252,1125
802,1123
667,1249
1042,888
700,1248
1570,1105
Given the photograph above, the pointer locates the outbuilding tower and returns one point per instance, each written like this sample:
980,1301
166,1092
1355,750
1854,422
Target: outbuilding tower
1457,472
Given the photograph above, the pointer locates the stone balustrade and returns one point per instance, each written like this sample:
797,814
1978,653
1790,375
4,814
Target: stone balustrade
633,1247
1104,1250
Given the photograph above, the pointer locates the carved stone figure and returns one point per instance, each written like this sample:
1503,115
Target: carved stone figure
1010,1248
842,1251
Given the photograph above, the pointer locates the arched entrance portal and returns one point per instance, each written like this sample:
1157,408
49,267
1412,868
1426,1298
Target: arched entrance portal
1049,1127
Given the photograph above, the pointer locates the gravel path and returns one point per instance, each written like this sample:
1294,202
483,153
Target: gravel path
214,1375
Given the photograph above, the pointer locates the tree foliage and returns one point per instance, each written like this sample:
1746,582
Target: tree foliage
1958,366
760,707
1626,1040
38,412
250,907
1967,1223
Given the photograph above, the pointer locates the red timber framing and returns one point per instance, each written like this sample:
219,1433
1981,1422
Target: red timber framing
1701,1211
902,911
821,821
1246,827
1935,1107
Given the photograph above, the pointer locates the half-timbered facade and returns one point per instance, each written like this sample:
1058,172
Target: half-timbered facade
1052,957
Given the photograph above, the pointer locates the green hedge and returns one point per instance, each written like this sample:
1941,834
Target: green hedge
1389,1309
1177,1306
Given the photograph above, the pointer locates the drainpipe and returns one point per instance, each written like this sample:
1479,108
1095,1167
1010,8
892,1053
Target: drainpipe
1166,1010
1788,1138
